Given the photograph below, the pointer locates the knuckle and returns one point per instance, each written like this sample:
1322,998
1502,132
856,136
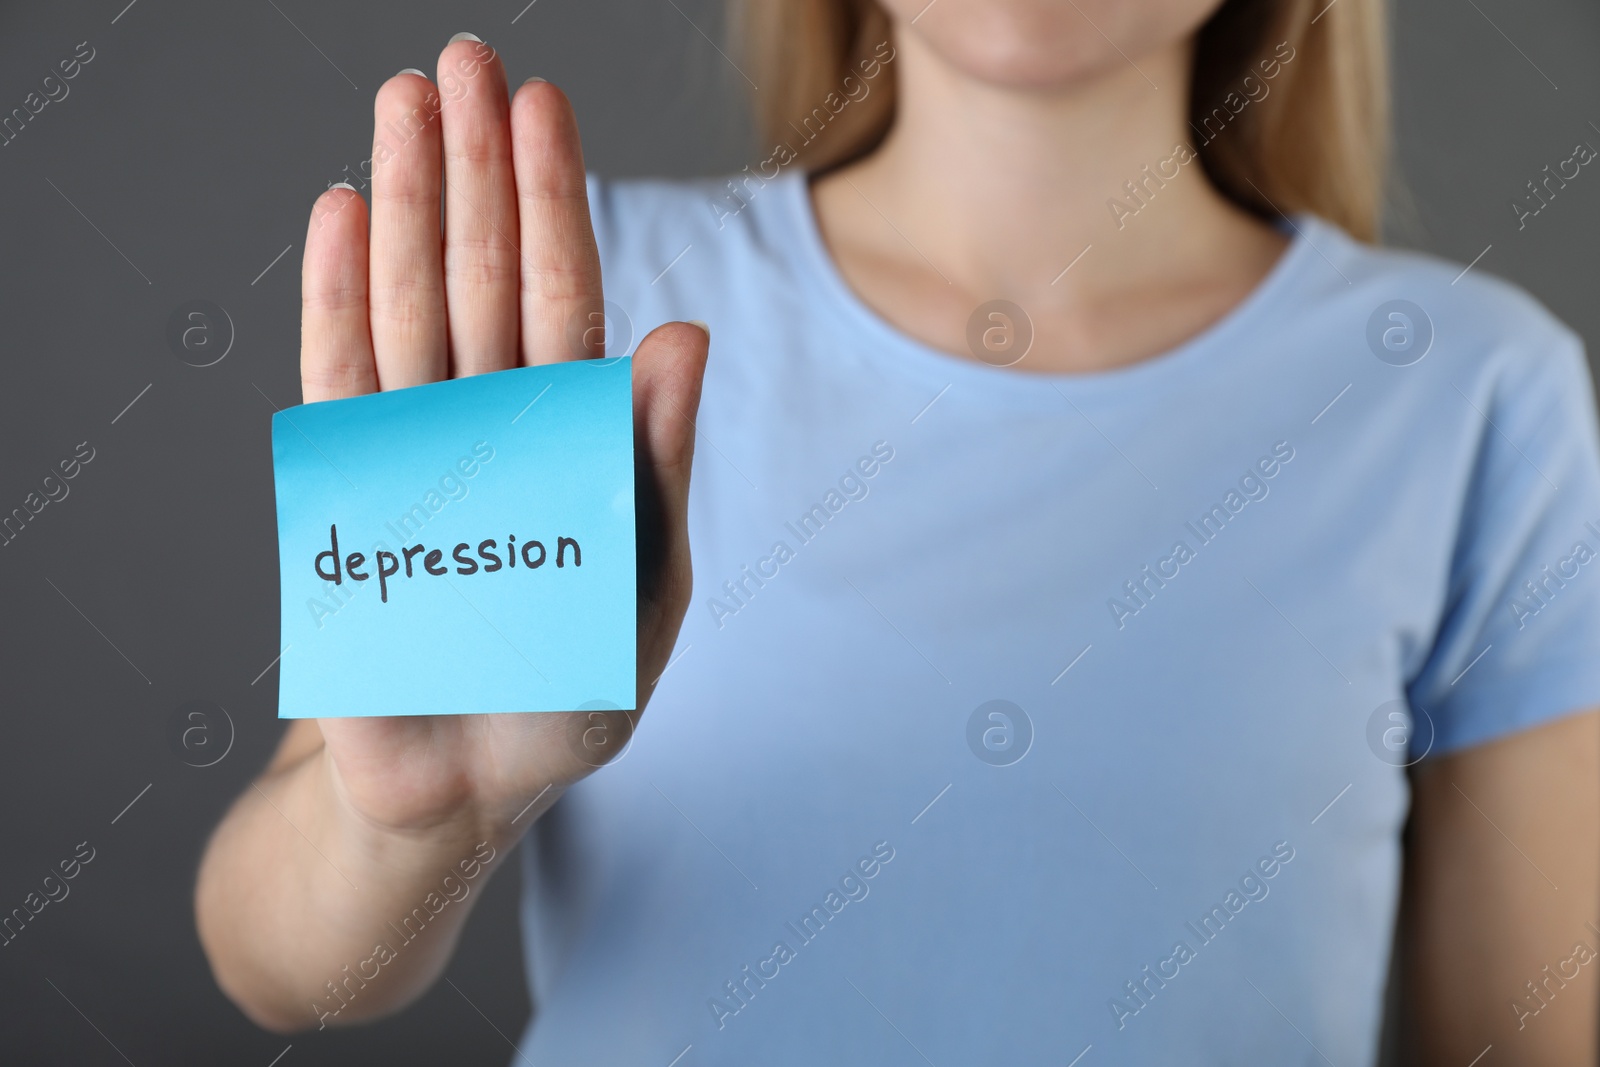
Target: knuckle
474,144
410,194
577,282
332,300
408,307
473,271
343,373
486,257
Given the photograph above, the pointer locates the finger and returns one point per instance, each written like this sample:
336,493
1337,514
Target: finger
560,298
335,344
668,369
480,210
408,316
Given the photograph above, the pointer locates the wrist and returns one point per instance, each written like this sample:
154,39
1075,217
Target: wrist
425,847
394,851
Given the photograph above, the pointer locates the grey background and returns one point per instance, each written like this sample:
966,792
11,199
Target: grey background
184,159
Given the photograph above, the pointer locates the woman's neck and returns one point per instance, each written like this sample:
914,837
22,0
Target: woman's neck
985,192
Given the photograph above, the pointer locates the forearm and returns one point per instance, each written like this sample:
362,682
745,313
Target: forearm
312,916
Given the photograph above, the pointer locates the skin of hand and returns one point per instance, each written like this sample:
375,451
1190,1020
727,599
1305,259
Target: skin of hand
357,819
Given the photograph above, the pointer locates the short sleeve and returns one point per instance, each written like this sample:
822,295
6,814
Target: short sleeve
1519,640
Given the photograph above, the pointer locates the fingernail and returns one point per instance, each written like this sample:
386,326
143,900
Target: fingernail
412,70
466,37
342,185
533,79
703,326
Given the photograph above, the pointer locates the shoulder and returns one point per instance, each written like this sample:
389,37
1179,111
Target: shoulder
627,204
1495,334
643,226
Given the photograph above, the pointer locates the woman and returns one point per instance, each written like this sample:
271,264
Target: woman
1089,534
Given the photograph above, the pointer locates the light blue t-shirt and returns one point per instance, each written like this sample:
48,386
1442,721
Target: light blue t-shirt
1018,715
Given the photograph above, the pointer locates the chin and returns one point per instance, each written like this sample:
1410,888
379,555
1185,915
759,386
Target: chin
1046,44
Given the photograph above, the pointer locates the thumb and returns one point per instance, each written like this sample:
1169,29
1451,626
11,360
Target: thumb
668,370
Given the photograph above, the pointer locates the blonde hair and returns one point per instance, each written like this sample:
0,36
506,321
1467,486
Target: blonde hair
1318,141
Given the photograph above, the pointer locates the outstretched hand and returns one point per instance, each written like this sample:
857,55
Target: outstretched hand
512,280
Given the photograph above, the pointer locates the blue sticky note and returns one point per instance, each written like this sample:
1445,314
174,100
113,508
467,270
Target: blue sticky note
492,519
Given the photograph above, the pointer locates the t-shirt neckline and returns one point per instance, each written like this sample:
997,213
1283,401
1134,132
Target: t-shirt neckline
909,355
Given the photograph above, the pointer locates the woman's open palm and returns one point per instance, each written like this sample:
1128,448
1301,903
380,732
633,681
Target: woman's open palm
512,279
